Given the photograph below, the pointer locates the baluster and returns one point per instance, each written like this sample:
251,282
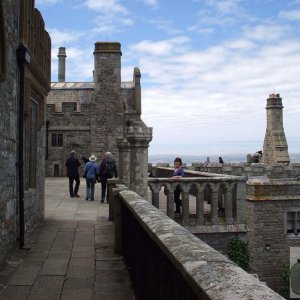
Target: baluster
185,206
170,204
214,207
228,206
200,206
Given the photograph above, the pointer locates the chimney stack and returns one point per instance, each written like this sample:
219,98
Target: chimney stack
61,64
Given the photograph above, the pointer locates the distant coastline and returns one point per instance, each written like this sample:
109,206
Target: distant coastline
189,159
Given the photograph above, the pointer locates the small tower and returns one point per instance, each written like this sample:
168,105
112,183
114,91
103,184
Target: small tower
61,64
275,145
107,108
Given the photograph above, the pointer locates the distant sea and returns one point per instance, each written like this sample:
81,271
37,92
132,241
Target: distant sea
189,159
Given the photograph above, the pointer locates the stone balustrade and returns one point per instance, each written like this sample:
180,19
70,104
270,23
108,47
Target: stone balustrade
166,261
220,199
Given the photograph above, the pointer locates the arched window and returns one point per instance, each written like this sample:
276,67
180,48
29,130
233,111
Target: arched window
2,45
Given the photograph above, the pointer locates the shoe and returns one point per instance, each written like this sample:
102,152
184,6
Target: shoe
77,196
102,200
92,199
72,196
86,199
177,212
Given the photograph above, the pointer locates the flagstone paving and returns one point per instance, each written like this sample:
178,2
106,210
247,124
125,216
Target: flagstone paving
71,253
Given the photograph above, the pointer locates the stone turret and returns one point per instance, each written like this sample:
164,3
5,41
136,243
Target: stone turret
275,145
107,108
61,64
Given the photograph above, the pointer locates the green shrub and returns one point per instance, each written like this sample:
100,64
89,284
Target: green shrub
238,252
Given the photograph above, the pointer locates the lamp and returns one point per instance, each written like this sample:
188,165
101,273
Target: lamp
267,247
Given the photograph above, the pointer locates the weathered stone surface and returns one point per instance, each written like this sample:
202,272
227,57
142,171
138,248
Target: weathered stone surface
48,285
206,270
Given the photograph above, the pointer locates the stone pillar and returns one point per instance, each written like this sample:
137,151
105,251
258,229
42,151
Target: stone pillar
61,64
185,206
239,198
107,109
124,161
200,206
228,205
139,138
275,148
214,207
170,204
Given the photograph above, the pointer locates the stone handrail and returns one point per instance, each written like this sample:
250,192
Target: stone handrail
166,261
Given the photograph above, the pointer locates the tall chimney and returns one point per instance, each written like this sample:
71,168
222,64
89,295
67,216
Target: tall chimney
275,144
61,64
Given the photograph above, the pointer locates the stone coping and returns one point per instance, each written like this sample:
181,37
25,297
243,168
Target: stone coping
203,175
206,270
198,179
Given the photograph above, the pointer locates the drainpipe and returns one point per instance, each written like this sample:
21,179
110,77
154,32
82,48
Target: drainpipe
47,135
23,57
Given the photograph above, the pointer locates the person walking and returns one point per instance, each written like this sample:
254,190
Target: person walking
72,164
90,173
107,169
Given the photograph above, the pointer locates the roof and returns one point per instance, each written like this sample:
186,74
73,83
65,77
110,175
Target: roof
72,85
84,85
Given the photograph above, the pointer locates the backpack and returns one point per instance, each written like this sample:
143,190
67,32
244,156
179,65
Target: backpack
110,168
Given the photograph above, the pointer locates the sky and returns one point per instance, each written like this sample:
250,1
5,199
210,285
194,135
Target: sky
207,66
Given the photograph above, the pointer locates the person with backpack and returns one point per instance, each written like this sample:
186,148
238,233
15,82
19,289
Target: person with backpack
107,170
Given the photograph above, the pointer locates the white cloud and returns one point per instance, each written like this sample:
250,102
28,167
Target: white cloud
225,7
293,15
266,32
62,38
166,25
106,6
152,3
45,2
164,47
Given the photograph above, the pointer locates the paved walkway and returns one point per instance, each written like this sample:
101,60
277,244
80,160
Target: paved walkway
71,253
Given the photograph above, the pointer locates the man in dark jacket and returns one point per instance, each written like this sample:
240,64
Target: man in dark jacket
107,169
72,165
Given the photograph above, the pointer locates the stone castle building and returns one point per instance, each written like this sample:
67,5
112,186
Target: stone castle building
95,117
25,48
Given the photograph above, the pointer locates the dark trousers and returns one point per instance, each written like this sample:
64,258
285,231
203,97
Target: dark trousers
177,200
71,182
103,188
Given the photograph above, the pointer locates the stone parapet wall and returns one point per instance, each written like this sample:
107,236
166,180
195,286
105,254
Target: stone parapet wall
176,257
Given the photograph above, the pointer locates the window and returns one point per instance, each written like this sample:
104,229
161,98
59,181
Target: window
293,222
57,140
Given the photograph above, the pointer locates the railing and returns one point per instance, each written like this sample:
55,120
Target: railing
207,199
166,261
